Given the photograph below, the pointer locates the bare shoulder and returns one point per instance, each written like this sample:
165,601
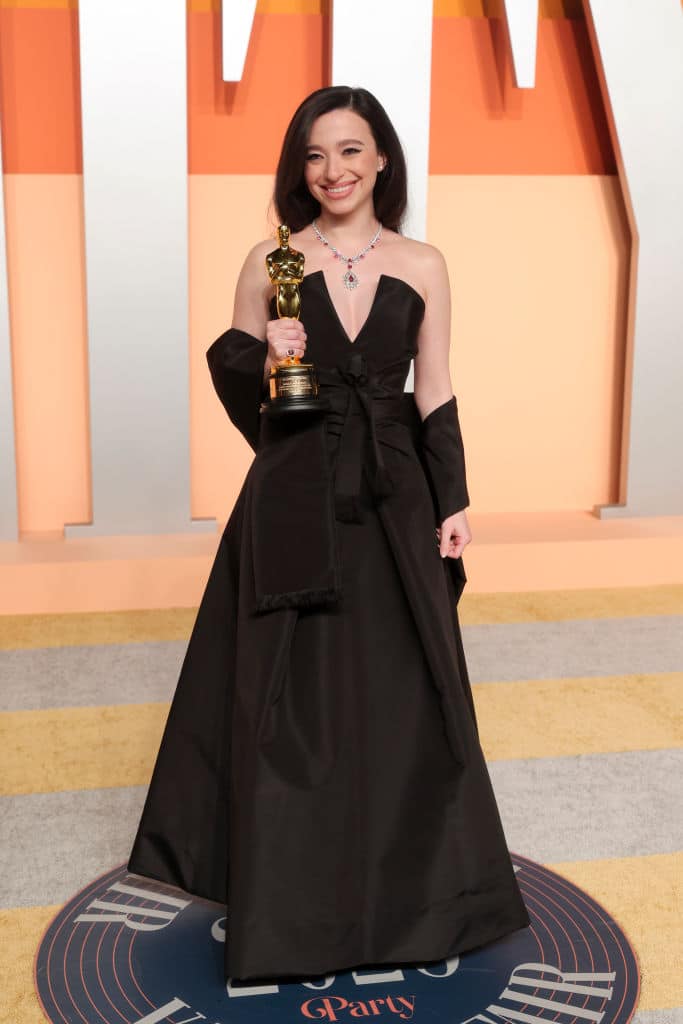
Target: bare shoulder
256,257
250,311
253,275
422,254
420,263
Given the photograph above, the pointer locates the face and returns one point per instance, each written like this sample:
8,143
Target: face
342,161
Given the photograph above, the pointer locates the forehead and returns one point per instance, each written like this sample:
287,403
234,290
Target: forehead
330,128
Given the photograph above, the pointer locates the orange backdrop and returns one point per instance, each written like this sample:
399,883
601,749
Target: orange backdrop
523,200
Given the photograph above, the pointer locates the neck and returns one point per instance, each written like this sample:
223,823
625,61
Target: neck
357,226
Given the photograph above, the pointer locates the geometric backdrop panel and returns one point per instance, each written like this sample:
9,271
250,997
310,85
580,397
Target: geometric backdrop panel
639,48
8,474
134,108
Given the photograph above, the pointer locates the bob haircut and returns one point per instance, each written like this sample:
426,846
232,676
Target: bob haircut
295,205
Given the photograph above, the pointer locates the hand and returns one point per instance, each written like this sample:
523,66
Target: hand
283,334
454,535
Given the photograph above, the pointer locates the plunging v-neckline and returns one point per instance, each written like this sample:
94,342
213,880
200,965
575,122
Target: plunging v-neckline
365,323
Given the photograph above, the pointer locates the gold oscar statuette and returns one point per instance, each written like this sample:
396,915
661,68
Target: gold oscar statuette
293,385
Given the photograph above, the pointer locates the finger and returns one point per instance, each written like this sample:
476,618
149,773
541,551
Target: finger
456,549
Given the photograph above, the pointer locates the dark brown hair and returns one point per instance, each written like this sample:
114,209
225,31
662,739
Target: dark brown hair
294,203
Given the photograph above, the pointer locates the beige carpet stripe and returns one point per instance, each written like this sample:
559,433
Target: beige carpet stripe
96,747
20,934
561,717
30,631
643,894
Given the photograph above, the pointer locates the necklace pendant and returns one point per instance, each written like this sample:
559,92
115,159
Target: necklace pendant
350,279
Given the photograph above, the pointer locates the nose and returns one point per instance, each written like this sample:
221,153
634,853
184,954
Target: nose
334,168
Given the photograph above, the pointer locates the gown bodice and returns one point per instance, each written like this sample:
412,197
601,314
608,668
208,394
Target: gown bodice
362,381
386,342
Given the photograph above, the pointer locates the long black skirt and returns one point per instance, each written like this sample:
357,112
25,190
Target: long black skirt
319,798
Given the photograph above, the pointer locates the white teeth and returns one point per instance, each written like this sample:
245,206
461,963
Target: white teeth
344,188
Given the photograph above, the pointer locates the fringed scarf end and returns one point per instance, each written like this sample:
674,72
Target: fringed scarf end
298,599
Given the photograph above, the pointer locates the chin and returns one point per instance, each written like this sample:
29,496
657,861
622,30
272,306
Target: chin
347,205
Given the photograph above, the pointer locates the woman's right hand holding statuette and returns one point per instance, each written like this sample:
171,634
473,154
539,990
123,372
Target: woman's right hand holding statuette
286,339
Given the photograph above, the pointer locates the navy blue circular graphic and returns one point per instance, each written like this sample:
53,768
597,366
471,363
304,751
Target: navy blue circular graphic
128,950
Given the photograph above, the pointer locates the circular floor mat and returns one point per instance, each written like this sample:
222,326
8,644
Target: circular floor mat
130,950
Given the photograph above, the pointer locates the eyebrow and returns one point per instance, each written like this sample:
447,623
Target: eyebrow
342,142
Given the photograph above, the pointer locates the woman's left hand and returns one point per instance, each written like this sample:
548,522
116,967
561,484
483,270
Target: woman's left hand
453,535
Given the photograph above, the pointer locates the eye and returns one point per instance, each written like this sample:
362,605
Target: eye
312,156
351,149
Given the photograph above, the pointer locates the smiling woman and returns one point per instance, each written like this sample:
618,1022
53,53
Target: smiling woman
321,772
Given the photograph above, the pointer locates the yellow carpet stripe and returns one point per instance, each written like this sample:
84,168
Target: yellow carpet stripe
591,715
21,632
65,630
643,894
562,605
21,931
96,747
79,748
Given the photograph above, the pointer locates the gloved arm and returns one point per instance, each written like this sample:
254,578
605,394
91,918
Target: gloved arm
444,458
237,365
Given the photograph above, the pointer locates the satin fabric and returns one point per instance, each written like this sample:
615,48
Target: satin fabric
320,773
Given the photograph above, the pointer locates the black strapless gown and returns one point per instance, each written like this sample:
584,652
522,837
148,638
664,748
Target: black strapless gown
320,773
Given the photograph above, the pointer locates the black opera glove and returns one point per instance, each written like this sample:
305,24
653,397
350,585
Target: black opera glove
444,457
237,363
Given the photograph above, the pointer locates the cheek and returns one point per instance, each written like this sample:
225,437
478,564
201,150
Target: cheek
370,167
310,174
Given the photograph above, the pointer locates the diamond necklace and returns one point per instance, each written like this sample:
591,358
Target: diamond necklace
350,278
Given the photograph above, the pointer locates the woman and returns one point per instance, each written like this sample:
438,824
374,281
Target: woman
321,772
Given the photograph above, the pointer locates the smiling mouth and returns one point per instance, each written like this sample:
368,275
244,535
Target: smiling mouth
338,190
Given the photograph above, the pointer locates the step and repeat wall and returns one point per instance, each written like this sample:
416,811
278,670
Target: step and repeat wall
136,178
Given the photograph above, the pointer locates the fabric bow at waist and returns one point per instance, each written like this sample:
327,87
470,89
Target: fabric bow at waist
297,495
358,402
